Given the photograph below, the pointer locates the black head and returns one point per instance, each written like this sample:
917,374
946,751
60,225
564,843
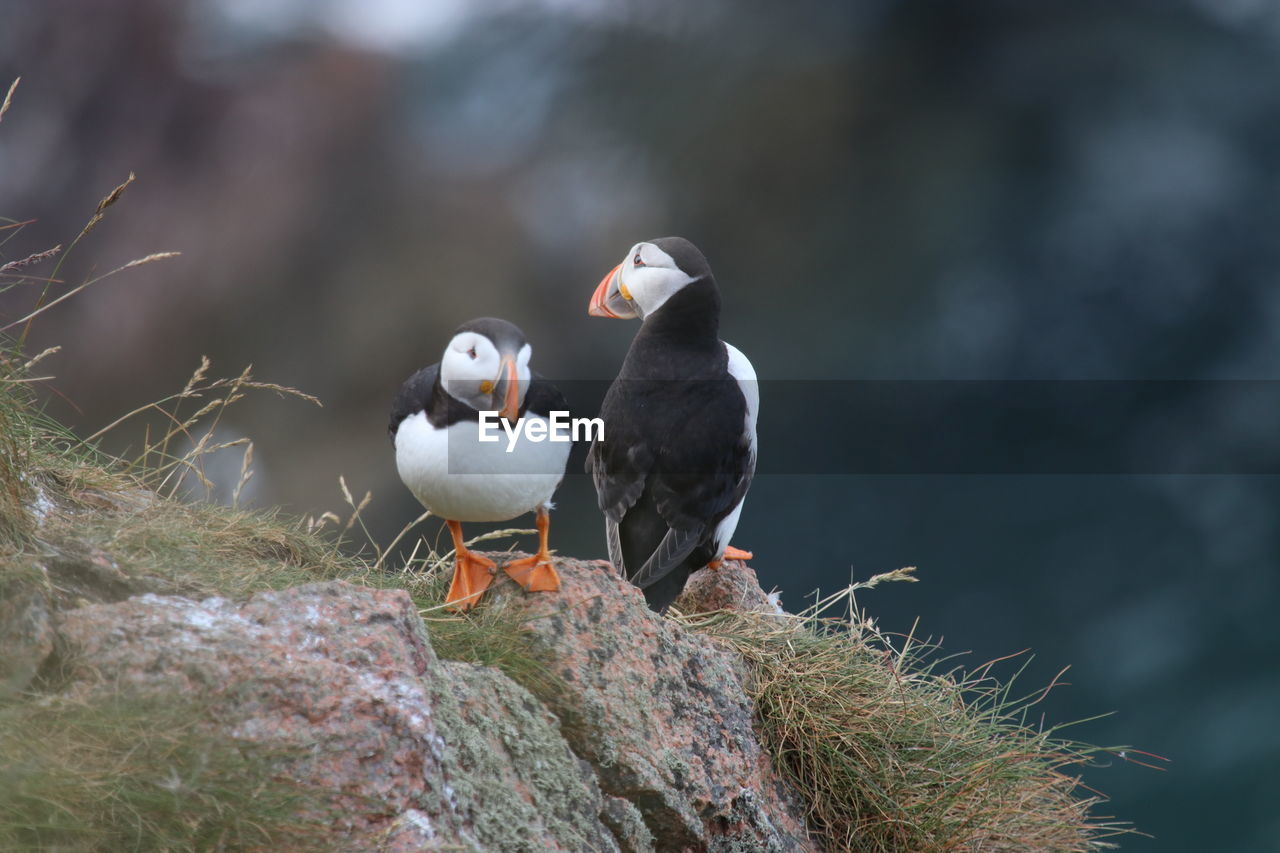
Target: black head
506,337
686,255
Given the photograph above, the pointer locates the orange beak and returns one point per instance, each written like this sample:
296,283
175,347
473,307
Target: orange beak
597,308
511,402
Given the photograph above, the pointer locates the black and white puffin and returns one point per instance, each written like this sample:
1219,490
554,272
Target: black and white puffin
435,425
679,445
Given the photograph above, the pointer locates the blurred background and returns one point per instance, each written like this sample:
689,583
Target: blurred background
888,190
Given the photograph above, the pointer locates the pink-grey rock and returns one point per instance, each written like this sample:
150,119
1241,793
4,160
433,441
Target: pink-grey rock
661,713
733,586
416,753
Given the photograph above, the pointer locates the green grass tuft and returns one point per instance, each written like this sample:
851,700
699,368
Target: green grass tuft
143,774
15,441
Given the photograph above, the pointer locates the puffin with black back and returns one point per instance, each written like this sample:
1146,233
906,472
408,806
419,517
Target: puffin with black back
435,426
679,445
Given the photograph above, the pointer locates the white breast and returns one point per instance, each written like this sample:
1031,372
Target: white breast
742,371
458,477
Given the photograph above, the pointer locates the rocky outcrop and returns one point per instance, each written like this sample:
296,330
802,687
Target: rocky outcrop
416,751
645,742
661,713
733,586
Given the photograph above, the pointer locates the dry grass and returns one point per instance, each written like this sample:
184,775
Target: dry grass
893,755
104,527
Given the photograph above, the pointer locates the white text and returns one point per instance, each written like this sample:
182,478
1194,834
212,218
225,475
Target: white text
557,427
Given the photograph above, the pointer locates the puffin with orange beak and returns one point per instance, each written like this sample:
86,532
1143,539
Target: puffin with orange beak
442,457
679,445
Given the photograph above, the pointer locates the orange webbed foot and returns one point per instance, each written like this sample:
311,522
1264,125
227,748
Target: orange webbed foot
472,575
730,553
536,573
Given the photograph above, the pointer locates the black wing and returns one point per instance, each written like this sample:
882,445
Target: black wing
707,455
686,441
414,396
703,473
621,460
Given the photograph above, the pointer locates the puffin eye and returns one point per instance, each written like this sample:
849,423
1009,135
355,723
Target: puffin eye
472,352
636,261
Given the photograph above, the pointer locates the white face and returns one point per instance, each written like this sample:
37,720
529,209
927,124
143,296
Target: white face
475,372
646,279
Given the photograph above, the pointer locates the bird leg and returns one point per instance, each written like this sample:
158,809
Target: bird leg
536,573
730,553
472,573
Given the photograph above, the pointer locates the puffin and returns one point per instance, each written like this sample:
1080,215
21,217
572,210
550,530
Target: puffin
679,442
436,429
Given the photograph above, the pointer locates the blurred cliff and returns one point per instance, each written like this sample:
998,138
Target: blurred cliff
887,190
